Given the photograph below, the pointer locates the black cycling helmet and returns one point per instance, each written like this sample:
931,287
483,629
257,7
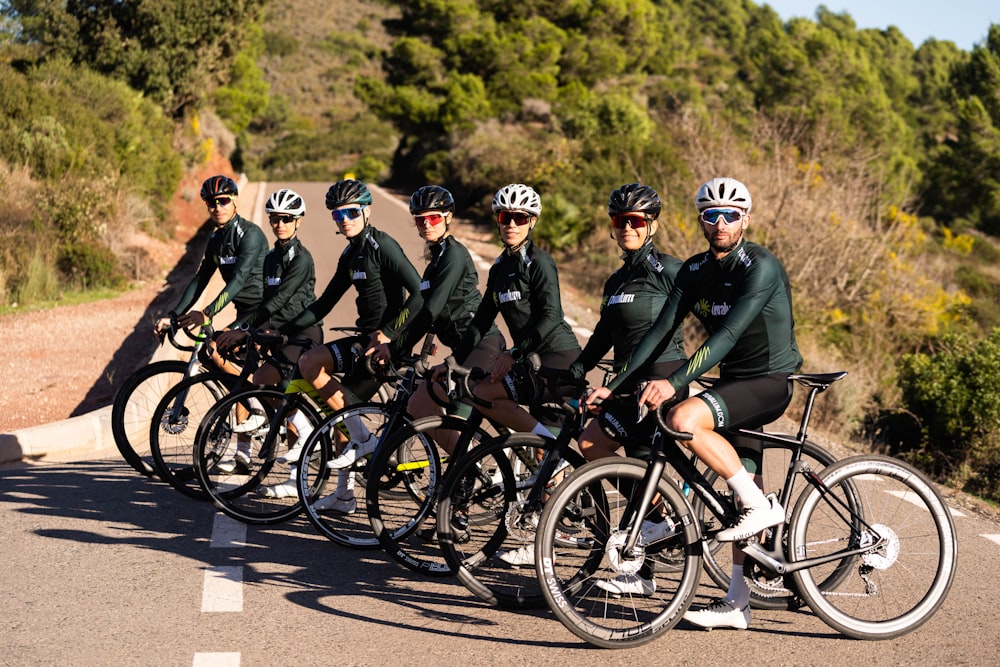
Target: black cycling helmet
432,198
346,192
635,197
218,186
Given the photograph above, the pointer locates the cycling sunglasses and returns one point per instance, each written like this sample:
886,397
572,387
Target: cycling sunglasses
219,201
276,219
519,218
345,214
431,219
730,216
633,220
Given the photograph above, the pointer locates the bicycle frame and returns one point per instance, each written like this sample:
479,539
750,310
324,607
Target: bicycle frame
725,509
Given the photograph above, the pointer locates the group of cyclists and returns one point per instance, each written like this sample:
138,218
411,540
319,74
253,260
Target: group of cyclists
737,289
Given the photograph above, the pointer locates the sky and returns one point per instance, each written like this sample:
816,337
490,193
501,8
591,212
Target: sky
964,22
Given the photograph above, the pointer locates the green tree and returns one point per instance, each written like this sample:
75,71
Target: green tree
175,51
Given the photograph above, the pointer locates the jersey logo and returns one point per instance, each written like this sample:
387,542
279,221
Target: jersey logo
227,259
744,256
359,275
273,280
425,285
655,263
621,298
372,242
509,295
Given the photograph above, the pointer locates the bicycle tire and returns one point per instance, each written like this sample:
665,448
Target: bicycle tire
589,501
488,493
315,480
404,479
174,425
901,582
238,493
767,590
132,409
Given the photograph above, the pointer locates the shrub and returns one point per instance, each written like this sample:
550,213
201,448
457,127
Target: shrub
956,392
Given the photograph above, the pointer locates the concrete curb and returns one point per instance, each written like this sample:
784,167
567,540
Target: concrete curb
91,433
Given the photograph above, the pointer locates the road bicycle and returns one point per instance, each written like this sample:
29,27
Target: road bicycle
869,546
404,475
478,557
244,444
134,401
316,480
174,422
492,497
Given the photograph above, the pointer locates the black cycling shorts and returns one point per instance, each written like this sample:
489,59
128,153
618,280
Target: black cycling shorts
747,403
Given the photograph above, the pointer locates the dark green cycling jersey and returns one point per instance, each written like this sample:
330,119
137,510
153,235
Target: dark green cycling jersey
524,288
745,303
289,284
450,290
382,275
633,298
237,250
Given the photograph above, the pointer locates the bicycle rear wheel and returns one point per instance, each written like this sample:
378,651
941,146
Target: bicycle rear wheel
132,410
315,480
174,424
236,484
403,484
907,542
486,530
767,590
591,504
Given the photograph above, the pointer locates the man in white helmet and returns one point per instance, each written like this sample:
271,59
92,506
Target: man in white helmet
740,292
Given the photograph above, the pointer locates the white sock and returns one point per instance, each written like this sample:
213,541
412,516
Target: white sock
743,486
356,428
302,426
345,484
542,431
739,593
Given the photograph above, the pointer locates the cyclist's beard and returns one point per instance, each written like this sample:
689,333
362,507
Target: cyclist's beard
727,247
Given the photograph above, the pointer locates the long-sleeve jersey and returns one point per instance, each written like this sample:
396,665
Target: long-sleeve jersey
744,301
524,288
289,284
633,298
237,250
388,286
450,291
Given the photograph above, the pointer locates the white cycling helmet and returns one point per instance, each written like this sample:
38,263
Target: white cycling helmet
287,202
723,192
517,197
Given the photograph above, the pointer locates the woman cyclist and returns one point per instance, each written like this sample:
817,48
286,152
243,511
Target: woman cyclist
633,297
288,287
388,295
523,287
450,292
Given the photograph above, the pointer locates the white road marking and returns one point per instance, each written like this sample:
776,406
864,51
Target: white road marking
216,660
228,533
223,589
912,498
992,538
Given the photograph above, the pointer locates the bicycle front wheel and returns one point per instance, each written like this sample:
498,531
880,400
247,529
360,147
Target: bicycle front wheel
173,426
591,505
903,541
236,455
132,410
487,529
402,492
342,521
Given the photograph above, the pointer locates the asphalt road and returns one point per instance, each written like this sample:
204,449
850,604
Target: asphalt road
104,567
